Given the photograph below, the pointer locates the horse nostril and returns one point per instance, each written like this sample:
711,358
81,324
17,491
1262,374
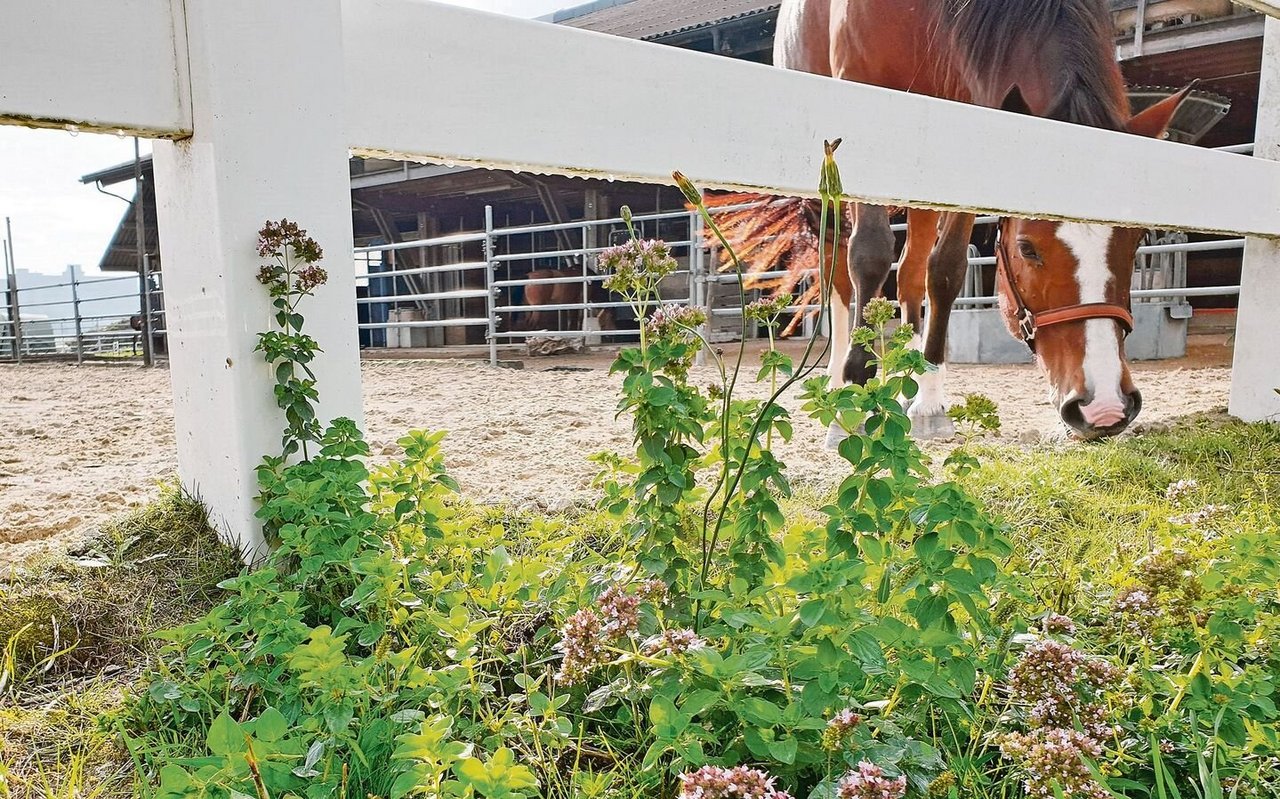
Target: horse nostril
1072,415
1132,406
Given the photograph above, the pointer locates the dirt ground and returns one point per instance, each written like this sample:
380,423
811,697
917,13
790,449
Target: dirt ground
80,444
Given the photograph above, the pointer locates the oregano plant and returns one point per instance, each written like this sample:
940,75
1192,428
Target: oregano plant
291,273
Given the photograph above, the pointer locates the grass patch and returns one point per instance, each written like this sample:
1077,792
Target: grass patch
75,633
1091,510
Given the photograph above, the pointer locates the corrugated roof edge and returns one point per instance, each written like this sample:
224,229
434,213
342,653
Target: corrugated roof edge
710,22
574,12
118,173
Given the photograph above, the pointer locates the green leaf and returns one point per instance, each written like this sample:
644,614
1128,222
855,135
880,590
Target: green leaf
868,652
1225,628
175,783
225,736
662,711
500,777
760,712
926,545
884,590
662,396
784,751
811,611
930,610
270,726
699,702
829,654
668,721
880,492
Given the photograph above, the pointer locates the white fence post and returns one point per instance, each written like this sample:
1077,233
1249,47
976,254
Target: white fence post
1255,371
267,92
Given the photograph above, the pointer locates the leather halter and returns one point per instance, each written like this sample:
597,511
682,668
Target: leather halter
1030,322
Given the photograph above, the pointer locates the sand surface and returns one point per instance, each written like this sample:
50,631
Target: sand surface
80,444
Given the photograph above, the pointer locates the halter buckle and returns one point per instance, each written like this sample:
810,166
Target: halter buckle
1027,324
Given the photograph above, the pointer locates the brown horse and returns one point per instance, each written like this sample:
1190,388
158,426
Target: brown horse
1064,286
565,293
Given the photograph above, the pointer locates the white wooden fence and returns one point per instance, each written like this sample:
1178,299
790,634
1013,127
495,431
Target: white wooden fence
263,99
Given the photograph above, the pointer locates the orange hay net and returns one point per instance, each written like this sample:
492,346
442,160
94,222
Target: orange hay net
772,234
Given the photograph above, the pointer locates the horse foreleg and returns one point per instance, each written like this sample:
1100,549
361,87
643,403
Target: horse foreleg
947,266
922,234
870,260
536,321
841,331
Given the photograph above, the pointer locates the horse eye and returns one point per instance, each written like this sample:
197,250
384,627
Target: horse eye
1028,250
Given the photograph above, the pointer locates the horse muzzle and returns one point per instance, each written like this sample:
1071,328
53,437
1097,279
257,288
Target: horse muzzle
1092,418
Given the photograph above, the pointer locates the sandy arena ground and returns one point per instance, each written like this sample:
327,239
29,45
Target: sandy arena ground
80,444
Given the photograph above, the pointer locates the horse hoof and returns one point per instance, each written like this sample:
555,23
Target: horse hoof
835,434
936,425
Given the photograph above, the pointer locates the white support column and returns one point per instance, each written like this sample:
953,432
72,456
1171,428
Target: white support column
1255,372
267,92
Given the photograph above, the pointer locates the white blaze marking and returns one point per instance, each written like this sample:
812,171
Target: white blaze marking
1102,365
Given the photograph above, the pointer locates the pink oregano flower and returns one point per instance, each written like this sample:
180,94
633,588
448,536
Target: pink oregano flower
868,782
740,782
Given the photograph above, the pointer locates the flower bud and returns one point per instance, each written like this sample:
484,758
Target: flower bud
690,191
829,184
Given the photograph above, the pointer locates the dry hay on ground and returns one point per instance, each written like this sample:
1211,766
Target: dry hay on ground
81,444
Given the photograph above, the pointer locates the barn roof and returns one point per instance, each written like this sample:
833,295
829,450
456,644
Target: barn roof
657,19
122,252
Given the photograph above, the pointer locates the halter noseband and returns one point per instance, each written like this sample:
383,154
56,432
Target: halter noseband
1029,321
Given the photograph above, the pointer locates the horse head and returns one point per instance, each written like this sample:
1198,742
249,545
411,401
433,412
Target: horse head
1064,290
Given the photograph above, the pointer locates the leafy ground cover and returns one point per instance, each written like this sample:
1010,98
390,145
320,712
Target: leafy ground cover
1083,515
1085,622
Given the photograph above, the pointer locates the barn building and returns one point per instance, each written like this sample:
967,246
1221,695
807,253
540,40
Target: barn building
1161,44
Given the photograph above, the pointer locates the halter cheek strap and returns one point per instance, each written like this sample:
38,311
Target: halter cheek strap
1030,322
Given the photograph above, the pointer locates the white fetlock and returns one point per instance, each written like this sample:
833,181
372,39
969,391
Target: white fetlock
835,434
934,424
928,413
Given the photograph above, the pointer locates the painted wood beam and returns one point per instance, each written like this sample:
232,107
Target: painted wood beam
493,95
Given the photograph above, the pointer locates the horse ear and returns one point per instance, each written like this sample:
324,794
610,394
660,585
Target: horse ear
1154,121
1014,102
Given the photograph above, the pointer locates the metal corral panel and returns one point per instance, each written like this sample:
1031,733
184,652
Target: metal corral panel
980,336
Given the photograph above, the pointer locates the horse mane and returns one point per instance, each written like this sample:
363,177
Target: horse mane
988,33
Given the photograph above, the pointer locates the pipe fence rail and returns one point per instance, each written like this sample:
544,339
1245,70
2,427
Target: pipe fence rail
72,319
493,292
504,284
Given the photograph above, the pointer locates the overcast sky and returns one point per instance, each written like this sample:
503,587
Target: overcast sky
58,221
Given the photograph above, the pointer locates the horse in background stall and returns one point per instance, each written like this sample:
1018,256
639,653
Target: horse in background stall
566,293
1063,286
157,339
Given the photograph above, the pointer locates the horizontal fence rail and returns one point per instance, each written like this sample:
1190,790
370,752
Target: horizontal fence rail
904,149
